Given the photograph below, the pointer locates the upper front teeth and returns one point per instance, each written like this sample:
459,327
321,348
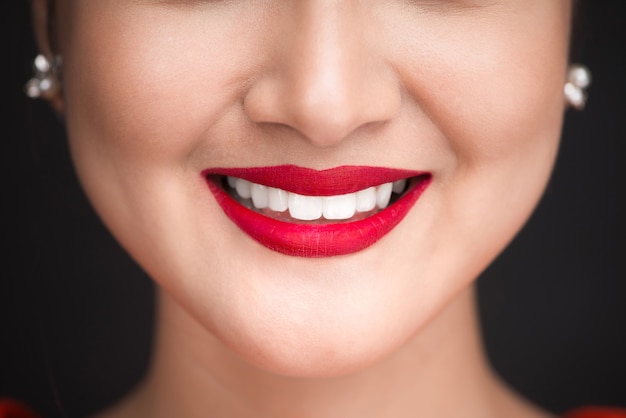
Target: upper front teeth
309,208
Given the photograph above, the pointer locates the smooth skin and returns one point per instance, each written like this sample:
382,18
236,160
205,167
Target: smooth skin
156,91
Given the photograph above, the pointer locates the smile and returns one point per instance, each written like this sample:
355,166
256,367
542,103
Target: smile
309,213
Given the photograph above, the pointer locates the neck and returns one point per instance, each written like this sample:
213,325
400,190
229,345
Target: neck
440,372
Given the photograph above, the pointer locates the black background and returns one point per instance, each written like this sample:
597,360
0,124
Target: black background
76,312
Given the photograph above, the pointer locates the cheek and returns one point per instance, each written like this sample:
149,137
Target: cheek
493,85
137,106
141,93
147,82
495,93
129,96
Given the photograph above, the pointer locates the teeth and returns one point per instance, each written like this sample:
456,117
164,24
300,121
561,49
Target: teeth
383,195
340,207
305,208
366,200
279,199
260,196
399,186
310,208
243,188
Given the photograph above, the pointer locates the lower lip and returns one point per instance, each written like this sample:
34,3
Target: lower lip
318,240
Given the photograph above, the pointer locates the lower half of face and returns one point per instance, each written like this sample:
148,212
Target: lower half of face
197,127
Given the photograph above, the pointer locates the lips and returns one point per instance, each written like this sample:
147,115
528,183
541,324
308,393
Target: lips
311,213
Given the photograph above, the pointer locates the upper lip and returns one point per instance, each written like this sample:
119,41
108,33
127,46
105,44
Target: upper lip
311,182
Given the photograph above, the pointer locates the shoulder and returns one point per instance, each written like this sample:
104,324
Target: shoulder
13,409
597,412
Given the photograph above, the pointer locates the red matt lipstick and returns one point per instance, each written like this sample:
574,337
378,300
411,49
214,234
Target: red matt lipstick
315,240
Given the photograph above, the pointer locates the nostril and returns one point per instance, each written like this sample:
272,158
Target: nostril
325,116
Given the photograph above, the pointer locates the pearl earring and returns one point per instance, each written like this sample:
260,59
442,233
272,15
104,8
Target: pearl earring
45,83
575,90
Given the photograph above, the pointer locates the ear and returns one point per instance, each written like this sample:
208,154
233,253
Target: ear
43,26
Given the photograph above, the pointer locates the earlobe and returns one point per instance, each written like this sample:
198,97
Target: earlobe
42,19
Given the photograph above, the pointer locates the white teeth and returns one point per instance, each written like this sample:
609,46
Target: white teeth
383,195
278,199
243,188
305,208
260,196
310,208
340,207
366,199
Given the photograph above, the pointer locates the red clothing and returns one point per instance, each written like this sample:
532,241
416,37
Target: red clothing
597,412
13,409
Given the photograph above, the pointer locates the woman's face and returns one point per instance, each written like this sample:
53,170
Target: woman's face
159,94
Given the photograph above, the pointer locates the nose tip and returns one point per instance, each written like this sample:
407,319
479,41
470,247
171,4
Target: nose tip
324,114
327,81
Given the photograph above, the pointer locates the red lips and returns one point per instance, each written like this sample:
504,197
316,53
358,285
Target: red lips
317,240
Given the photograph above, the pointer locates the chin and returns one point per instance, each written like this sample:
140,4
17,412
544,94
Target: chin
329,320
312,354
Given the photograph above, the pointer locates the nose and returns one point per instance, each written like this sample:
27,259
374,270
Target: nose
325,77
